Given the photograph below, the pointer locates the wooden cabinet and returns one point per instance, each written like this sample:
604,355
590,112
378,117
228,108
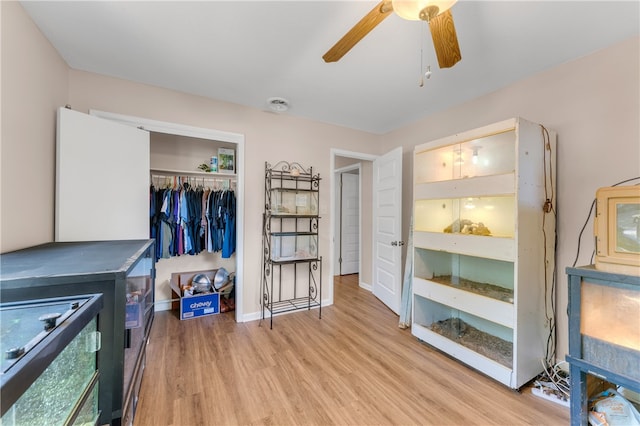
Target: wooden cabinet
604,337
292,267
483,239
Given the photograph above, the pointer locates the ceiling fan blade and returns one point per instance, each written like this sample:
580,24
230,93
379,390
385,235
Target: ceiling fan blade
445,40
357,33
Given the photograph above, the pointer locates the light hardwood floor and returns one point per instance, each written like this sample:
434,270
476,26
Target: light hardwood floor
352,367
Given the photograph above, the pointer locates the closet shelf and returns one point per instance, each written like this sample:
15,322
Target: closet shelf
198,173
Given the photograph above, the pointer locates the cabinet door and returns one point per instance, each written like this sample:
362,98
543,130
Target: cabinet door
102,179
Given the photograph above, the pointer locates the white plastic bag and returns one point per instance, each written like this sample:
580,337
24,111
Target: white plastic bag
616,409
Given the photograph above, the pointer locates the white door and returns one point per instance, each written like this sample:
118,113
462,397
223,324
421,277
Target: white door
387,228
350,224
102,179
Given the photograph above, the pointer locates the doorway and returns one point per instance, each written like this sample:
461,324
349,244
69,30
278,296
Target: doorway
352,162
347,214
379,239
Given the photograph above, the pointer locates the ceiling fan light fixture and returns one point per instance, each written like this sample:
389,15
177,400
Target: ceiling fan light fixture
414,10
278,104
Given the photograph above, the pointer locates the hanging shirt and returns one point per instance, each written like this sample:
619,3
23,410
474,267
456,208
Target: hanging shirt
204,224
184,220
229,208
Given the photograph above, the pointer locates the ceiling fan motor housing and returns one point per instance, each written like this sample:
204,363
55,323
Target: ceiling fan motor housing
429,12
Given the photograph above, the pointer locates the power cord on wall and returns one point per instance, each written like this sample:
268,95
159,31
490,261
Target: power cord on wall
549,207
553,384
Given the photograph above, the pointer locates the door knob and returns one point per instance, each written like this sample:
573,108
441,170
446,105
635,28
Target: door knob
397,243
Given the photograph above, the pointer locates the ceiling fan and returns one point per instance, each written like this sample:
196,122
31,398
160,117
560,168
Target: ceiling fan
436,12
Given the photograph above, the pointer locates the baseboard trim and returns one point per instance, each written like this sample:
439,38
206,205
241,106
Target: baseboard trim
366,286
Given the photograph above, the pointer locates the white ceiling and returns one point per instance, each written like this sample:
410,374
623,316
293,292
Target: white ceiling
247,51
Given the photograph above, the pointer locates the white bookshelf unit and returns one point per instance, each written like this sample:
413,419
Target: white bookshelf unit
484,247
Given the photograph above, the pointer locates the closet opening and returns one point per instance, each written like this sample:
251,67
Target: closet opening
176,153
193,212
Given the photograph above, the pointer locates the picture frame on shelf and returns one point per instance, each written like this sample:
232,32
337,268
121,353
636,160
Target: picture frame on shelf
226,160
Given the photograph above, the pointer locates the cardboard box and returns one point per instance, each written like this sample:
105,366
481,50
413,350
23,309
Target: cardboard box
133,315
199,305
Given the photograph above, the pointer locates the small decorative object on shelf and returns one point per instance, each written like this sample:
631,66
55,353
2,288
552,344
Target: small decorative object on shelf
226,160
213,164
292,267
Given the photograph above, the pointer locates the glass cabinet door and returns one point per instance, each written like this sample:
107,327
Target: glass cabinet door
484,216
66,391
139,309
609,327
486,156
139,293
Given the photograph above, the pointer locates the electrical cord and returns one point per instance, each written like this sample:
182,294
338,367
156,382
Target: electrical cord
549,207
554,381
593,204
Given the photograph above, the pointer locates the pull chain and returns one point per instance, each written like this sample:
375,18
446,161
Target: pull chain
427,73
421,83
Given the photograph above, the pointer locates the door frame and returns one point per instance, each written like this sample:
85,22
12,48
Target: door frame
335,152
202,133
338,211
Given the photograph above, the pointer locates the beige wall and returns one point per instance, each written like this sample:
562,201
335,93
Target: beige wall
34,85
593,104
268,137
36,81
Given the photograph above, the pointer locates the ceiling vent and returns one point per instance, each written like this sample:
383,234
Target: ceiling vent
278,104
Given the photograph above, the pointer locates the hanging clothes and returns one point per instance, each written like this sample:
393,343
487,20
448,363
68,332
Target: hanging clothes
229,238
186,220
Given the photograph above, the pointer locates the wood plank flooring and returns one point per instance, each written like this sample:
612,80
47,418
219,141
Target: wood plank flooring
352,367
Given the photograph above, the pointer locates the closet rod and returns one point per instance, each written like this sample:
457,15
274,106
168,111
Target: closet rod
228,183
212,179
199,173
